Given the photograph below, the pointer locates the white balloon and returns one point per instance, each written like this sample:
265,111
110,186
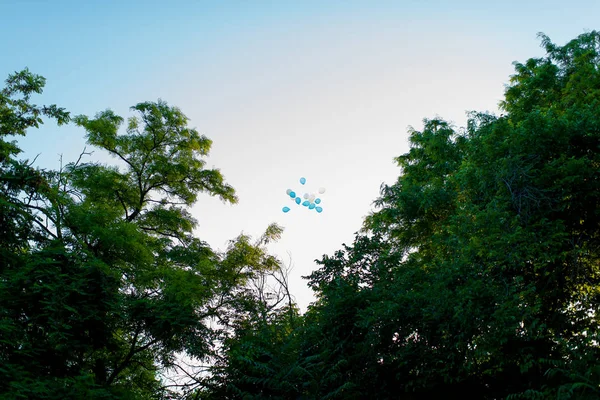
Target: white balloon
312,197
288,191
321,190
305,196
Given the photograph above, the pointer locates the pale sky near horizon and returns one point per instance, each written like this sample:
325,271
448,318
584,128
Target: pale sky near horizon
320,89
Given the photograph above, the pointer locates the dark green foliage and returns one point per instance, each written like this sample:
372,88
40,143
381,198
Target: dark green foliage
480,271
259,358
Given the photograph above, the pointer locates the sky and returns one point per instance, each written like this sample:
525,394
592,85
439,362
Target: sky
324,90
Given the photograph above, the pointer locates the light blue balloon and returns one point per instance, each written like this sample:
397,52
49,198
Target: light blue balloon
292,194
319,209
303,180
317,201
311,206
298,200
285,209
306,203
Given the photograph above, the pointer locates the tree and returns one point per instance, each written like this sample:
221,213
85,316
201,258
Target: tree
103,281
259,358
479,272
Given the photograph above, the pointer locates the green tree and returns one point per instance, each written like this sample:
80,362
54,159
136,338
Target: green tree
104,284
259,358
479,272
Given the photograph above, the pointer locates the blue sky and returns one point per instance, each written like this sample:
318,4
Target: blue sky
321,89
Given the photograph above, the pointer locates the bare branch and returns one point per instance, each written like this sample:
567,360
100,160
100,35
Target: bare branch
33,161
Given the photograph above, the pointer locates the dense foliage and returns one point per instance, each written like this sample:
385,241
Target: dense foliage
478,275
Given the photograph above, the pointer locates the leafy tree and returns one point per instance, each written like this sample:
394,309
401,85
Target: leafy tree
103,282
259,358
479,272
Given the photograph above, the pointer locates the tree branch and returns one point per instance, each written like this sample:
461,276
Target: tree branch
132,352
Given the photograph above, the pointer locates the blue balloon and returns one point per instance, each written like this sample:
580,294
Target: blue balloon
298,200
303,180
311,206
317,201
292,194
306,203
285,209
319,209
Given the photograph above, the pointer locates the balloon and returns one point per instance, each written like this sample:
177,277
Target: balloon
319,209
306,203
298,200
302,180
311,206
305,196
317,201
292,194
321,190
285,209
288,191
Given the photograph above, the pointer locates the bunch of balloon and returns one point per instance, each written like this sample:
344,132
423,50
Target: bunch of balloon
308,200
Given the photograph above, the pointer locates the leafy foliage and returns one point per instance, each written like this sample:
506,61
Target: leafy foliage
479,272
103,283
